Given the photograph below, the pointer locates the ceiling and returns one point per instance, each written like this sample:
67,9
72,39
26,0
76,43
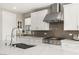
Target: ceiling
22,7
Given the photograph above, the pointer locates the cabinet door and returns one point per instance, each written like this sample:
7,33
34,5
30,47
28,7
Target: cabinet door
37,21
70,17
78,16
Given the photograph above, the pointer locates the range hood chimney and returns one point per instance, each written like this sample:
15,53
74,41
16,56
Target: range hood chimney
55,14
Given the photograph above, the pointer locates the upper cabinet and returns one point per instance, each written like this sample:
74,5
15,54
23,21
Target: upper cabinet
71,17
37,20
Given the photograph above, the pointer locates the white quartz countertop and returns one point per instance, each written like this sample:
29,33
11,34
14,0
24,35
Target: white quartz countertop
43,49
39,49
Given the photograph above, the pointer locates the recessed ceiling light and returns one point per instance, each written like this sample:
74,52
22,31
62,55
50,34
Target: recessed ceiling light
14,7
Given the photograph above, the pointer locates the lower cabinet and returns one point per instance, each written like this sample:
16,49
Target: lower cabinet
70,45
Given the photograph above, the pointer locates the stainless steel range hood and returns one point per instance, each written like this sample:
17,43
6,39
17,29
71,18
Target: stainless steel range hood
55,14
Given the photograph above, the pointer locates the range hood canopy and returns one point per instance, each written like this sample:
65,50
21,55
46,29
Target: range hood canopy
56,16
53,17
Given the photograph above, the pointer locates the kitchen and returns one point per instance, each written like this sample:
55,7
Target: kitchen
49,23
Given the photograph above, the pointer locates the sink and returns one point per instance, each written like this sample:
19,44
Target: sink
22,45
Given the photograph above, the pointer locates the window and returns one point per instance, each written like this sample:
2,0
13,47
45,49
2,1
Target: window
28,24
28,21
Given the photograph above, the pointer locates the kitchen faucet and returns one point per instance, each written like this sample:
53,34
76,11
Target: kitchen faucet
12,34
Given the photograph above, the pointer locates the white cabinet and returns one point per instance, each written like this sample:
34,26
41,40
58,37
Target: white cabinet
37,20
78,15
70,45
71,17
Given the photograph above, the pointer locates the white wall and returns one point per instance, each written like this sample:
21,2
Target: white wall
0,25
37,20
8,22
